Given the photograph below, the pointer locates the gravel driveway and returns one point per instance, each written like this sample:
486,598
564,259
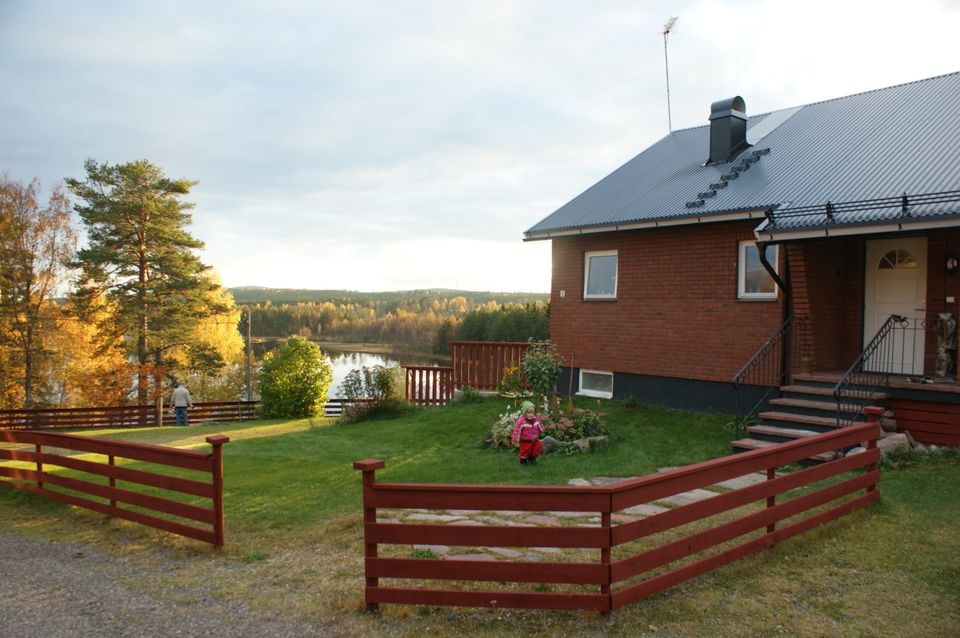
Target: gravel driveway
63,589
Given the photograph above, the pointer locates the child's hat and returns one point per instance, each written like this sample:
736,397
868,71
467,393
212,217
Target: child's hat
526,405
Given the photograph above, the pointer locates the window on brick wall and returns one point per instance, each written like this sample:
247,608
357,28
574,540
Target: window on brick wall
600,275
754,282
594,383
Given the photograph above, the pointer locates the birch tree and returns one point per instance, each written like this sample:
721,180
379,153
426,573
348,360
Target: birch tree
37,242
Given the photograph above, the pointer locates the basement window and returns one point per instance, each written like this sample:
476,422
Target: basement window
753,280
598,384
600,275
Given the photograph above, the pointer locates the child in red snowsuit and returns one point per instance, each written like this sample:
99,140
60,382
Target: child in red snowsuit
526,433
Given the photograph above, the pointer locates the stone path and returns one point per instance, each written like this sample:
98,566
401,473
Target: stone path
515,518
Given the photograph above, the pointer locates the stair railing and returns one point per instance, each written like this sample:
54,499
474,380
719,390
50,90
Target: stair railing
888,353
768,367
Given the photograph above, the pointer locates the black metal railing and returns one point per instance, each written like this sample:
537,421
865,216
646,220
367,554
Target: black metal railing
767,369
897,348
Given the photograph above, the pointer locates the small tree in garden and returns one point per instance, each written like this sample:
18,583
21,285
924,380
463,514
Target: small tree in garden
294,380
541,365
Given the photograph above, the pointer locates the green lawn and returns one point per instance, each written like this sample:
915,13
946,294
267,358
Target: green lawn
294,535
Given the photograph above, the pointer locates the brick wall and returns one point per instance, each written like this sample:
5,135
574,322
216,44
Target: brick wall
827,287
676,313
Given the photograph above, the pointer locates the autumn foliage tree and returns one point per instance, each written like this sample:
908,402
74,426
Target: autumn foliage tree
140,255
37,241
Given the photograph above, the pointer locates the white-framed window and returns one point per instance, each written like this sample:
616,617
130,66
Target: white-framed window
595,383
753,280
600,274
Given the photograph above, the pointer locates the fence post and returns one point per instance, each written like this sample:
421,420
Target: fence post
369,468
772,499
111,461
606,523
39,450
216,469
873,415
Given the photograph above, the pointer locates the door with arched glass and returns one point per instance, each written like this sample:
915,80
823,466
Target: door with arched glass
896,284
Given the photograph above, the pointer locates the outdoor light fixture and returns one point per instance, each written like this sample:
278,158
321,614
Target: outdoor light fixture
952,263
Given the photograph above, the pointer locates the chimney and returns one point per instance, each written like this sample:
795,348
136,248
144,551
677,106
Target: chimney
728,129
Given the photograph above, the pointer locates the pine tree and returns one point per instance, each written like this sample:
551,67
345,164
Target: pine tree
141,256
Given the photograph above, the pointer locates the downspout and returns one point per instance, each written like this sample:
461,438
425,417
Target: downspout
762,253
786,344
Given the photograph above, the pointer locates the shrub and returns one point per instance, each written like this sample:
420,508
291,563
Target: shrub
511,383
469,394
373,392
294,380
541,366
580,424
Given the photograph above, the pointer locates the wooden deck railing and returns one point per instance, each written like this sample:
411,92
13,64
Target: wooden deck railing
480,364
644,563
428,385
26,459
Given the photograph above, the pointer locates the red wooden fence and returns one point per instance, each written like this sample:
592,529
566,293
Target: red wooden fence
641,567
480,364
108,498
428,385
122,416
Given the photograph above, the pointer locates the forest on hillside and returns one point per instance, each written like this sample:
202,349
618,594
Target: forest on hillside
411,321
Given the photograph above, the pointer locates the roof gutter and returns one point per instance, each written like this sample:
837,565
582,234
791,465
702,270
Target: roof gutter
780,236
660,223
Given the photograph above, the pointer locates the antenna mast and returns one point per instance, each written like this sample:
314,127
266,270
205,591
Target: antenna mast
666,31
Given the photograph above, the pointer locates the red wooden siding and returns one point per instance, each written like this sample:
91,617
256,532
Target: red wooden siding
43,450
480,364
608,584
937,423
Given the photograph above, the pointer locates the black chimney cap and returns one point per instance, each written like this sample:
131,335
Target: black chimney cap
728,129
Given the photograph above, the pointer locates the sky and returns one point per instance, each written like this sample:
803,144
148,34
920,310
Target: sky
406,144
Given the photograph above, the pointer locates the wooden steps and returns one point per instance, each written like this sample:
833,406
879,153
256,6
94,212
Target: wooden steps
804,407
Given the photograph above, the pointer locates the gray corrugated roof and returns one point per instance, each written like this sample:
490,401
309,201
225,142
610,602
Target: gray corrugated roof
881,143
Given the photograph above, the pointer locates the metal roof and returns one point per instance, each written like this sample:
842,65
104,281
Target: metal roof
878,144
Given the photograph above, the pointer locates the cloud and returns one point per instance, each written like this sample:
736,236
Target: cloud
388,133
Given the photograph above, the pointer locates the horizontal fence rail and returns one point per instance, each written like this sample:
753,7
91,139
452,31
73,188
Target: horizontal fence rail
480,364
123,416
137,416
428,385
633,557
92,473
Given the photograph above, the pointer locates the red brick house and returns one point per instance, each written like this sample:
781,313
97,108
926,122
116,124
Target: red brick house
660,290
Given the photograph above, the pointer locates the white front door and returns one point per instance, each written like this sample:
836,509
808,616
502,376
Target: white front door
896,284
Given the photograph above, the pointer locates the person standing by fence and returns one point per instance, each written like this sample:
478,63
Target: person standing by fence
181,402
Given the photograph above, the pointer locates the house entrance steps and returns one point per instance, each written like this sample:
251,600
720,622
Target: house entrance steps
806,406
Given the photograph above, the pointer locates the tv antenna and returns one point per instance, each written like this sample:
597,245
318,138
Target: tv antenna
667,28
